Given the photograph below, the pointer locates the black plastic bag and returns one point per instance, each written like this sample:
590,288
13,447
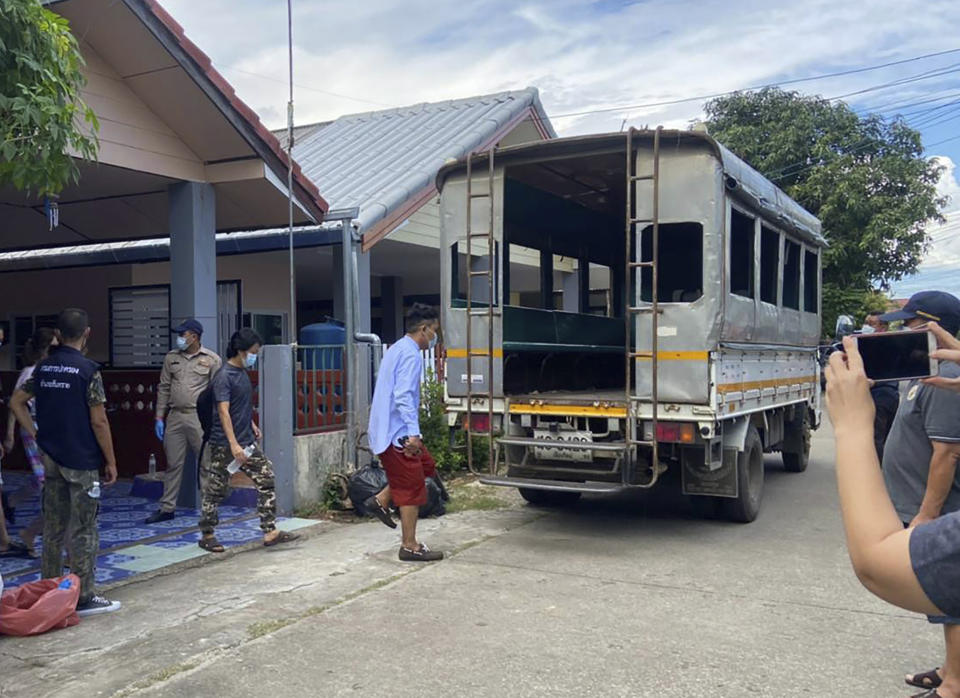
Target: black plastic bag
365,483
435,499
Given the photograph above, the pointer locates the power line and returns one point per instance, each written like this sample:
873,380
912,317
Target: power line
306,87
757,87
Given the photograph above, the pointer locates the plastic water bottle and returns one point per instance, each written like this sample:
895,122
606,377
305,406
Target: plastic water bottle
235,464
152,464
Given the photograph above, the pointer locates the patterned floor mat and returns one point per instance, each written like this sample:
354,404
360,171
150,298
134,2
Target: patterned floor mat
127,545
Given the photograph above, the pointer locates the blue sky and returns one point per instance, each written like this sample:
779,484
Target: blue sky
608,57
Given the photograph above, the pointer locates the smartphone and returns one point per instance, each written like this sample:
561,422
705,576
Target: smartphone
894,356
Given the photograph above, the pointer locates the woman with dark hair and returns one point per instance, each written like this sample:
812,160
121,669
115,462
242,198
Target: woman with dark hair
234,445
36,349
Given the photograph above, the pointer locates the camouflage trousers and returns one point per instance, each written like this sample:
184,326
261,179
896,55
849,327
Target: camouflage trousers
215,481
69,504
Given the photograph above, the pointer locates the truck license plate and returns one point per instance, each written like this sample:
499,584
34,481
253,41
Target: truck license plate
579,455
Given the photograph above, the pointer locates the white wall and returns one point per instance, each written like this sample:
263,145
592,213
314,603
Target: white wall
264,277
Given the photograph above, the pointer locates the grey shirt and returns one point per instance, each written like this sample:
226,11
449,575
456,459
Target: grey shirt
926,414
232,384
935,558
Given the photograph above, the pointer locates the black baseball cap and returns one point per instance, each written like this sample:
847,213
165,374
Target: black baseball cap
188,325
938,306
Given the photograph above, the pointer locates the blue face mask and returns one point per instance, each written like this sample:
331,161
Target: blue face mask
251,360
433,341
182,343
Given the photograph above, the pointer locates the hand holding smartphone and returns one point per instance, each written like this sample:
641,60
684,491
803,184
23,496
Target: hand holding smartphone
895,356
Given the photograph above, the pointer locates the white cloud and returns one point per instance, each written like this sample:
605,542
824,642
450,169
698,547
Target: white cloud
949,185
582,55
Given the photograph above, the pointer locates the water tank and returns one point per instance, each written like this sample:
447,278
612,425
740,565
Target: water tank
321,345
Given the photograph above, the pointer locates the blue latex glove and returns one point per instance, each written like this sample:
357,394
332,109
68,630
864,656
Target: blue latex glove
159,429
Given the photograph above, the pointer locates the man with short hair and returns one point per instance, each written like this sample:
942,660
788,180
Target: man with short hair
394,431
75,440
920,458
187,370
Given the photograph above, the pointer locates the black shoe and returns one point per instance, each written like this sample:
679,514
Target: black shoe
96,605
374,509
158,516
421,554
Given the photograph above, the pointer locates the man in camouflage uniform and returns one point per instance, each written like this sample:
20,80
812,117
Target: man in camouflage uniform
187,370
75,441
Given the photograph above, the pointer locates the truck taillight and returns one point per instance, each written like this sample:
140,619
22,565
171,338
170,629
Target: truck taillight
479,422
676,432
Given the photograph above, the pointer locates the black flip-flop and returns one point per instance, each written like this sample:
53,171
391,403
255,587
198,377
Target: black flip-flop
932,693
15,549
928,679
282,537
211,544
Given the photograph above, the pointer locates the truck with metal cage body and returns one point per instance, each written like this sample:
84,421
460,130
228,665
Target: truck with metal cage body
618,305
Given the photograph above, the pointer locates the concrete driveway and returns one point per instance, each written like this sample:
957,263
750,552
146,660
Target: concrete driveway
624,596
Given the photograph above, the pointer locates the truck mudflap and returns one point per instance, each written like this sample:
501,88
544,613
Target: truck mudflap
699,478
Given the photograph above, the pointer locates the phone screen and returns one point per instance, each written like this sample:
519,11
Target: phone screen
895,355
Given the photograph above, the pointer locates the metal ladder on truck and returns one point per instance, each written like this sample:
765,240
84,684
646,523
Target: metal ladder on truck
632,234
486,275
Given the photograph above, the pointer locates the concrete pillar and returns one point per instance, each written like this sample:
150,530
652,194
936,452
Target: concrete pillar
193,281
391,304
546,280
570,283
583,272
276,419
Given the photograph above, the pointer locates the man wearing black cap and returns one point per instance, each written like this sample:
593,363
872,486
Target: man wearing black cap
187,370
920,457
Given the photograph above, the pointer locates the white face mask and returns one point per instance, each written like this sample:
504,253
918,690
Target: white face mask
251,360
433,341
182,343
866,329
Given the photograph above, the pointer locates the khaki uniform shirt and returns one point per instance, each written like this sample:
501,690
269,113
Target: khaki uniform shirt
183,378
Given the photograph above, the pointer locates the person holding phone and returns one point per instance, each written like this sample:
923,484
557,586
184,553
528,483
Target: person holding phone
920,457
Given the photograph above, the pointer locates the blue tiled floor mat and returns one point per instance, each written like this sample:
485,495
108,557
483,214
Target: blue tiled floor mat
127,545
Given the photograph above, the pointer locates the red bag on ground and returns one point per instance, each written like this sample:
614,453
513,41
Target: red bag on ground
36,607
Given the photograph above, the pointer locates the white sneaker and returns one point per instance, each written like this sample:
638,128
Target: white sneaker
97,605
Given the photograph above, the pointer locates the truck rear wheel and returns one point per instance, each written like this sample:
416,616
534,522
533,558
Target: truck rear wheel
746,506
549,498
796,462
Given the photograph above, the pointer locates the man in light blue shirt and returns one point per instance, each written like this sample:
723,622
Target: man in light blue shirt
394,431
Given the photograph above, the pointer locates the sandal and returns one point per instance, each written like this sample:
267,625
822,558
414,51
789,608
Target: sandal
211,544
932,693
928,679
282,537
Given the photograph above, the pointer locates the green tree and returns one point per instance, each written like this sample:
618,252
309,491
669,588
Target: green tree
42,118
864,177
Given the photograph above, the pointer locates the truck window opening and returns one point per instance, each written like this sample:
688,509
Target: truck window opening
680,268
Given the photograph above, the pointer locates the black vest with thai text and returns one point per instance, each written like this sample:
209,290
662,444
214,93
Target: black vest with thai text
60,384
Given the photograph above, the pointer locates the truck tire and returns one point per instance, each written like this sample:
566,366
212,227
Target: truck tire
549,498
746,506
797,462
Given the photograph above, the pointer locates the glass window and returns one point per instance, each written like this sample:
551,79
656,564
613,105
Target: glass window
791,274
769,264
680,267
811,279
741,253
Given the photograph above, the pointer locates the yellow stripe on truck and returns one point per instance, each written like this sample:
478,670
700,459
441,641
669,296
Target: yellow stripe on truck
462,353
760,385
569,410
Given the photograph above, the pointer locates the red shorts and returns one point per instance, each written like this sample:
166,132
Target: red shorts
407,475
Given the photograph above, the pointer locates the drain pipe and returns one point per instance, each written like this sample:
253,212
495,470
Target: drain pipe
376,345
